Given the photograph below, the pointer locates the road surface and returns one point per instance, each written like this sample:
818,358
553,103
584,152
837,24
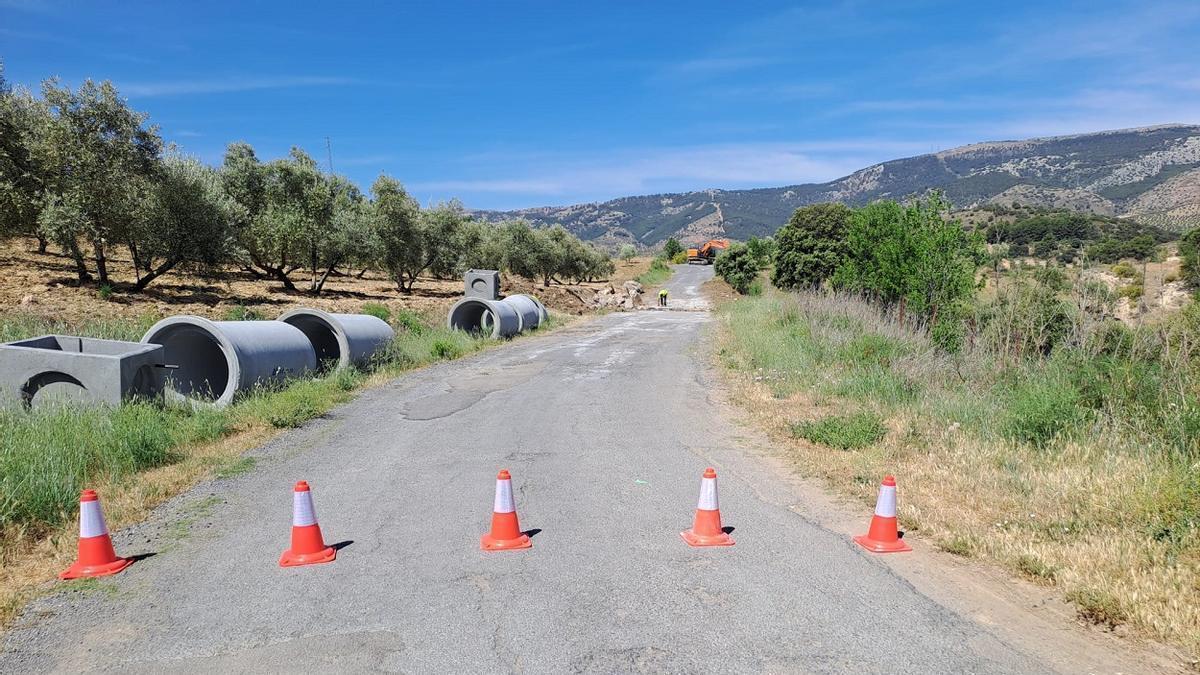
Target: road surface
606,427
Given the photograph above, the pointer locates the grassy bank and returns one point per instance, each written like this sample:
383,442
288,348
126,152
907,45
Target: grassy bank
1078,469
140,454
658,272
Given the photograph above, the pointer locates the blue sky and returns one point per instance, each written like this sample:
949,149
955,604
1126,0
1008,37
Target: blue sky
511,104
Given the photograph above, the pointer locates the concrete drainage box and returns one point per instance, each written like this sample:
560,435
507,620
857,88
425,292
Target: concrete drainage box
483,284
65,368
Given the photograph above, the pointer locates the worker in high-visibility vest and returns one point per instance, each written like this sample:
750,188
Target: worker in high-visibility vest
662,298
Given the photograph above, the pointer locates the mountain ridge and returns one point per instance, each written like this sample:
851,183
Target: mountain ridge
1151,173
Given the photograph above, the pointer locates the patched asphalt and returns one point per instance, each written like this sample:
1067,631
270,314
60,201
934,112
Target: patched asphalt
606,427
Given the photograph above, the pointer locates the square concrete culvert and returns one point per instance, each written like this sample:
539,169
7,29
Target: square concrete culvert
66,368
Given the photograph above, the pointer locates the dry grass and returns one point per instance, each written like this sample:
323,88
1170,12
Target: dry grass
1108,515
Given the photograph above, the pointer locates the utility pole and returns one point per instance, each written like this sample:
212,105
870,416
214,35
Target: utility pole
329,154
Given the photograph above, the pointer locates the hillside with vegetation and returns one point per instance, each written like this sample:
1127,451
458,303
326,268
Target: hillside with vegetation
1151,173
1041,415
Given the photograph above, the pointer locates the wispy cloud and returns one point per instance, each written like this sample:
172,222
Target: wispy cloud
225,86
717,65
655,170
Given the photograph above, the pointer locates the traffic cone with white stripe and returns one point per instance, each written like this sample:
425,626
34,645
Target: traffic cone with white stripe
308,548
506,531
706,529
96,555
884,535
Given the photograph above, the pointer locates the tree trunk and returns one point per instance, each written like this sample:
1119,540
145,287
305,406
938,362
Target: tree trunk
80,264
101,261
153,274
282,276
41,240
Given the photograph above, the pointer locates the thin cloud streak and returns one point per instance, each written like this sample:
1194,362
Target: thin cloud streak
201,87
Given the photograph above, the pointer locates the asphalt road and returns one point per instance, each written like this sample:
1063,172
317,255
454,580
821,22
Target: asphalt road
606,427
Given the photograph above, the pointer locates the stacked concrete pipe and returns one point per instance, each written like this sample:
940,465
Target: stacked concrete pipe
497,318
341,340
211,361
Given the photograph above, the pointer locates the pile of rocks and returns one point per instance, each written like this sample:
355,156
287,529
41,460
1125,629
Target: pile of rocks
628,297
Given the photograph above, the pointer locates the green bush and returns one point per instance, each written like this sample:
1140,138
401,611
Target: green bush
445,349
659,272
410,322
241,312
377,310
1132,292
679,258
1042,407
844,432
738,267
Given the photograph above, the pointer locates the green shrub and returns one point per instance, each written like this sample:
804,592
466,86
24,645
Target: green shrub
679,258
738,267
1098,607
1132,291
659,272
844,432
445,349
1040,408
1034,568
240,312
410,322
1126,271
377,310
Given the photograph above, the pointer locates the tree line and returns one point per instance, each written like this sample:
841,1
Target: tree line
911,257
81,171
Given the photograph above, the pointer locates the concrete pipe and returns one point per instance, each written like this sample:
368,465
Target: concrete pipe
528,311
545,315
340,340
488,316
211,361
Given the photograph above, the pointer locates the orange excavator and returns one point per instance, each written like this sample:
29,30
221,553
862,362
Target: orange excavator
707,252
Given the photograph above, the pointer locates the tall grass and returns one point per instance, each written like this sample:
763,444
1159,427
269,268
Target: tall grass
658,272
1065,447
48,455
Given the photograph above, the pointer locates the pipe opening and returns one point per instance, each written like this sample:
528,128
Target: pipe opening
473,317
202,366
323,338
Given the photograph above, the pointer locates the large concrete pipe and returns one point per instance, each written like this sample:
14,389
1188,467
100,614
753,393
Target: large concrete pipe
542,313
211,361
340,340
493,317
528,311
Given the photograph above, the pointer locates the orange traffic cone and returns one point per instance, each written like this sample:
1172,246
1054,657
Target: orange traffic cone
884,536
308,548
96,555
506,531
706,530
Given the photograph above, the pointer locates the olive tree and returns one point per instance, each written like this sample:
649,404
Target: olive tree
100,163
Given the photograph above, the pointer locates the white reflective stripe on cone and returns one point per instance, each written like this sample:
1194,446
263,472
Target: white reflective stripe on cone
91,519
303,513
708,495
504,498
886,506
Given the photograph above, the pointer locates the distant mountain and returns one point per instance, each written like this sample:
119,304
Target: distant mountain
1151,173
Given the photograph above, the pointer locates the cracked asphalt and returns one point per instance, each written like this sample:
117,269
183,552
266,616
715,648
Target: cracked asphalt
606,427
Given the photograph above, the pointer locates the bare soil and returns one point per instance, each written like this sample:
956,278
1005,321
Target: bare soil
46,285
